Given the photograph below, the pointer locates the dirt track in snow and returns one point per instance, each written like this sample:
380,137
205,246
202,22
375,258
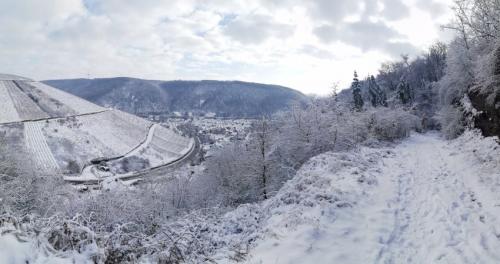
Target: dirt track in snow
432,201
434,213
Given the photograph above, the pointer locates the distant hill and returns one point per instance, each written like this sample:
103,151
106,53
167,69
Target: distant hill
219,98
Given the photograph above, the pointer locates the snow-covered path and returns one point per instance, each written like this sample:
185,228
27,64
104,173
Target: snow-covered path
437,216
429,205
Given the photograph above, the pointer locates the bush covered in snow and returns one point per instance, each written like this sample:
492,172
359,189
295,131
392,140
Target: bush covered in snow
256,168
472,70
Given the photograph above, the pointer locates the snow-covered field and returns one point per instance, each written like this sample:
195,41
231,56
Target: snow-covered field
79,105
48,104
166,139
7,108
26,107
119,131
8,77
160,147
113,134
24,102
37,146
163,146
70,144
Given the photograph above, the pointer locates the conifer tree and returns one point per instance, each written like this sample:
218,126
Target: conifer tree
377,95
356,93
405,92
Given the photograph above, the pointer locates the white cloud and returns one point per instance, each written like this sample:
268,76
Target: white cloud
256,28
304,44
395,9
367,36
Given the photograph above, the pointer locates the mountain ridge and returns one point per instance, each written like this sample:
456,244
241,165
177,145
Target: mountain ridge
183,97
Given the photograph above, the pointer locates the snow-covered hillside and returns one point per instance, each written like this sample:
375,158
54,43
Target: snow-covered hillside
425,200
63,134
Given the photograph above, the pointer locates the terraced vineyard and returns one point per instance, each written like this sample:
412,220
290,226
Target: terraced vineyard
64,134
49,105
26,107
163,146
10,77
166,141
79,105
7,108
72,146
39,149
116,130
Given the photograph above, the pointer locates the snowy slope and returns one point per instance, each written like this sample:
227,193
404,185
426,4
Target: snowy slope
13,251
7,108
425,201
162,146
8,77
118,130
27,101
79,105
37,147
64,133
26,107
17,247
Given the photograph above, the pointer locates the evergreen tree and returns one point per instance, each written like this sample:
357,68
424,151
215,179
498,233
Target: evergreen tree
405,92
356,93
377,95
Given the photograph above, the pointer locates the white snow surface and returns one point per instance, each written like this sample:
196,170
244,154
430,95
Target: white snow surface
76,103
427,200
119,131
16,248
7,109
37,146
162,146
13,251
10,77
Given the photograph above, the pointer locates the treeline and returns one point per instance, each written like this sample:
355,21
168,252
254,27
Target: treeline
410,84
451,87
470,89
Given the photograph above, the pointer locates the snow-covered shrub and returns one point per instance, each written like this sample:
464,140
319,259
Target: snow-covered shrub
256,168
452,87
55,239
390,124
129,164
23,190
473,69
452,121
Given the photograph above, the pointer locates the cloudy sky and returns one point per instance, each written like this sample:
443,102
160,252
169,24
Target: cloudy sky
304,44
